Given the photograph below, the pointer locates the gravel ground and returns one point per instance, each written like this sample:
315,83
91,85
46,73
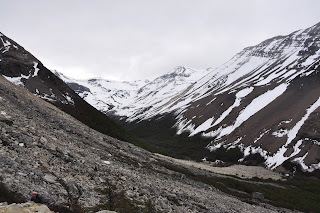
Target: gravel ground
241,171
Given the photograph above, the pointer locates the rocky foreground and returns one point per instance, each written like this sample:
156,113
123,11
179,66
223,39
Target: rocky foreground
28,207
44,149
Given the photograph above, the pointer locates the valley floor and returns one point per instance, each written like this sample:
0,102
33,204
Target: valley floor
241,171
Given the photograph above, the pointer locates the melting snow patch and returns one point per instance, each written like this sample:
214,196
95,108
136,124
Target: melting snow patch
21,144
278,158
261,135
212,133
36,69
210,102
241,94
233,144
204,126
69,99
183,126
311,59
280,133
253,150
284,122
3,113
15,80
215,147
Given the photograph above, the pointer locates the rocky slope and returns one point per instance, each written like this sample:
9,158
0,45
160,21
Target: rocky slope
46,150
22,68
264,100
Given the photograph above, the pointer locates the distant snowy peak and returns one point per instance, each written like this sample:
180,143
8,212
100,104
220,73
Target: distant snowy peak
183,72
127,98
103,94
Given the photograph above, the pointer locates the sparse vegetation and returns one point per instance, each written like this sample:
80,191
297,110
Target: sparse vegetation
116,200
226,155
300,193
160,136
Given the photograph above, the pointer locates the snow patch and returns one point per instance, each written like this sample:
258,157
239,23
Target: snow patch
204,126
36,69
280,133
261,135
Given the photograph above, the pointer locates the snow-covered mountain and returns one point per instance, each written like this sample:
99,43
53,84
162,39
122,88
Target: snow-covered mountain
264,100
104,95
130,99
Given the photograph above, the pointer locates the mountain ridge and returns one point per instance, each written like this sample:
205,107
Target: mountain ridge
233,104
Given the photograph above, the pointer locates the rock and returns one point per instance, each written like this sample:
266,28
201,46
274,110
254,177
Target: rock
258,196
50,178
22,174
12,209
6,121
106,211
28,207
43,209
43,140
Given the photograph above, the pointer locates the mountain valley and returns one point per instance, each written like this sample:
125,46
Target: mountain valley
96,144
265,101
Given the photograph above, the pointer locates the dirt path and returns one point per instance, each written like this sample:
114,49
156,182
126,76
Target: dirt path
241,171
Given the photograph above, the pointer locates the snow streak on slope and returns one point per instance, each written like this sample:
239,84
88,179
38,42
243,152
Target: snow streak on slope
279,158
255,106
206,125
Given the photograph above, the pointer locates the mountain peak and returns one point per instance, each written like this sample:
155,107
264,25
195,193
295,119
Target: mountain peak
179,69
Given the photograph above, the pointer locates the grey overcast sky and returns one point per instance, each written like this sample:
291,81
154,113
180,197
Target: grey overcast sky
139,39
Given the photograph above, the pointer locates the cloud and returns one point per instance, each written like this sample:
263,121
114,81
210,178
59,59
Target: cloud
129,40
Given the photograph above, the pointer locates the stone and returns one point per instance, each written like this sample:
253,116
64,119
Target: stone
13,209
258,196
43,140
6,121
43,209
50,178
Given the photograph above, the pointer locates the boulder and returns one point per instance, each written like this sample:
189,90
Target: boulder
258,196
